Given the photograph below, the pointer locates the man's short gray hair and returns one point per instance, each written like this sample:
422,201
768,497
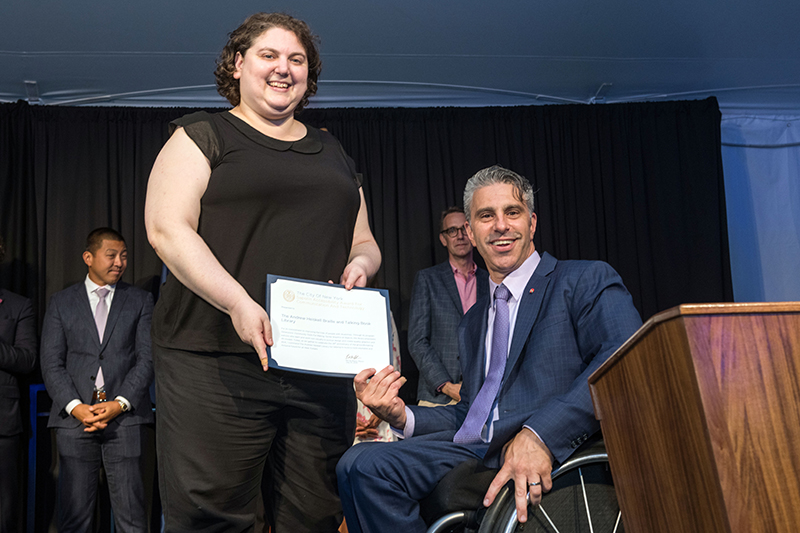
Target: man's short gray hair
523,190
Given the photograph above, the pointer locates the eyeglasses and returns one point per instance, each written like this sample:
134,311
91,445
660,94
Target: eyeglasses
455,230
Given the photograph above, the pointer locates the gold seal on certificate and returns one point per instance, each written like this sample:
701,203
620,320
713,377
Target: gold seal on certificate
323,328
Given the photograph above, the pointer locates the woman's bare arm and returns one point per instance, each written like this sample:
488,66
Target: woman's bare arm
172,211
365,256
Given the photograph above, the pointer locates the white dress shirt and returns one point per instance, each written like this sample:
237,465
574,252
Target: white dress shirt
515,282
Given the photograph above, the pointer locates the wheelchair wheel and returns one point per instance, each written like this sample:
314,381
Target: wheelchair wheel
582,500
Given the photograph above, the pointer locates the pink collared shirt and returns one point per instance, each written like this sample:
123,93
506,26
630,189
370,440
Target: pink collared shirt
467,286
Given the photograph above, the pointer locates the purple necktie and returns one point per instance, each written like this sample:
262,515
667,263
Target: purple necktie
101,312
470,431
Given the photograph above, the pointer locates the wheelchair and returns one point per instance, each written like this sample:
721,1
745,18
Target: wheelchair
582,500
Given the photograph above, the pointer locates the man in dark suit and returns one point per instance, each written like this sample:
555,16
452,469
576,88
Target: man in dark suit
97,368
17,357
526,354
440,297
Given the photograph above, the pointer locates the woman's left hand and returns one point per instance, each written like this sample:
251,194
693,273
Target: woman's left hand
354,275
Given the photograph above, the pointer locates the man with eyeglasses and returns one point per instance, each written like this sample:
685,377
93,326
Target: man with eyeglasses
440,297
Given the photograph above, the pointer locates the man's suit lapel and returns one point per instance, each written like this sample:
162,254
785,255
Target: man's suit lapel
83,312
120,296
6,311
449,282
476,337
528,310
482,282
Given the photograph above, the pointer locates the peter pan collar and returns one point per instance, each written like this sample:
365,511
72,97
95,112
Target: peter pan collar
310,144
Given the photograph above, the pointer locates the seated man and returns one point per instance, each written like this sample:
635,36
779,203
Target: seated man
526,355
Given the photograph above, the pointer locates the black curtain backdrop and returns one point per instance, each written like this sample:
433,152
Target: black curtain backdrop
637,185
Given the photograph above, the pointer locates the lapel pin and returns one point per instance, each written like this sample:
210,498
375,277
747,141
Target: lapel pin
530,291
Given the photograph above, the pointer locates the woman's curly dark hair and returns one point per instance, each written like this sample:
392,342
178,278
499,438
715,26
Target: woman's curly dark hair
241,39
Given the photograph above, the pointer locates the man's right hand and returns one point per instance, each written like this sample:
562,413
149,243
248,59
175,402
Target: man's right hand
380,394
453,390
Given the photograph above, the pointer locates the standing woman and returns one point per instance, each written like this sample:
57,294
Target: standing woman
234,196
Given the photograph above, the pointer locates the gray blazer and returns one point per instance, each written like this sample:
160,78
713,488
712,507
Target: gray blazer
71,352
434,315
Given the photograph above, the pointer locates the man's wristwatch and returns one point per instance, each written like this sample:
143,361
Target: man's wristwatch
122,405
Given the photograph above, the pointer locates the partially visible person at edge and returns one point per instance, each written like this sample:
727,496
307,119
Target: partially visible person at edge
17,357
232,197
369,426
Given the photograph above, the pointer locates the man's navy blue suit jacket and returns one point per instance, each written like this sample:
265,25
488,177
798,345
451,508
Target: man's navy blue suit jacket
572,316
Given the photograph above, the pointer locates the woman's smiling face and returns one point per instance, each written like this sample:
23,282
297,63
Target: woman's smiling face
272,74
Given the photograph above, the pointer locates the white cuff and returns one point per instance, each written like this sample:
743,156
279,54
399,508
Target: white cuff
72,405
125,401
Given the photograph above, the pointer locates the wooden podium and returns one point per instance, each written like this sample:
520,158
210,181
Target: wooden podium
700,411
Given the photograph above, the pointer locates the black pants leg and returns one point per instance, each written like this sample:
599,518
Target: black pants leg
9,483
219,418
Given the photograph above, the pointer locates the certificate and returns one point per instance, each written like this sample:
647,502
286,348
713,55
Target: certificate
322,328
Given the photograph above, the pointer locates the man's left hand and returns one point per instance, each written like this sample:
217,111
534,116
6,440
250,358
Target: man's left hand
527,460
102,414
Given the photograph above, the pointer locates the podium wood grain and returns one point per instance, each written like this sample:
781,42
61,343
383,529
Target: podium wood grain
700,412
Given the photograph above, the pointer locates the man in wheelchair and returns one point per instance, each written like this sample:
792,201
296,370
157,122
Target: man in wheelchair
526,349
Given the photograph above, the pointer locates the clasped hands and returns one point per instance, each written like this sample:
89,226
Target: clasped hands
367,429
453,390
526,459
96,417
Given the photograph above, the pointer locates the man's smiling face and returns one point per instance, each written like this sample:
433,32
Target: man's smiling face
108,263
501,227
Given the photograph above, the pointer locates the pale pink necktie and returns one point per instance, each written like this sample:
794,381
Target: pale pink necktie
101,312
100,319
